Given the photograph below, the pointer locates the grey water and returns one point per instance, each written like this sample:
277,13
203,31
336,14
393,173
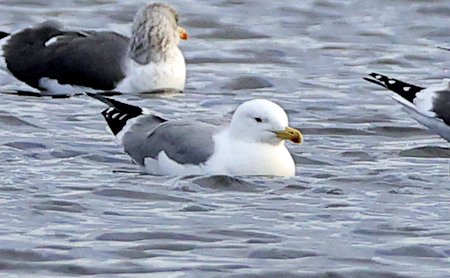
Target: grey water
371,197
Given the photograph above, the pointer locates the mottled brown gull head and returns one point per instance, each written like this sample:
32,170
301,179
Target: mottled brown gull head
155,32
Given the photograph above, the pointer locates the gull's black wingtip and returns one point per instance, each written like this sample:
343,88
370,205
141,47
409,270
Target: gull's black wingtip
91,94
3,34
118,113
101,98
131,110
373,79
406,90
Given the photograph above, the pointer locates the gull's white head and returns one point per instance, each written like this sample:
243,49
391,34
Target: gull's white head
262,121
155,30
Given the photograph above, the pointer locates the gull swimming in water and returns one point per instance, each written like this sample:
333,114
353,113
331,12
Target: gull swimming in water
57,61
429,106
252,144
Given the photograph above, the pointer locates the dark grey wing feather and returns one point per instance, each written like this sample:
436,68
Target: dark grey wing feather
185,142
91,59
441,105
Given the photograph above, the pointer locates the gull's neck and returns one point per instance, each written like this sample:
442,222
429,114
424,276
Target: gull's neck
151,46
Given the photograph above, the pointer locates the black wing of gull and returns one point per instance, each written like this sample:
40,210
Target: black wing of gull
89,59
118,113
3,34
146,136
406,90
429,106
54,60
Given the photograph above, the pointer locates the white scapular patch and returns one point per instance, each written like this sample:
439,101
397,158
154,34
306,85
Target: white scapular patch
55,39
52,86
51,41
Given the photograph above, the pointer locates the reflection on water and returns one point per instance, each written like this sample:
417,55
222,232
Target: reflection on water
371,197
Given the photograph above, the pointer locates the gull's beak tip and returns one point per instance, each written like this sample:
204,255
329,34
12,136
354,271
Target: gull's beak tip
182,32
290,134
298,140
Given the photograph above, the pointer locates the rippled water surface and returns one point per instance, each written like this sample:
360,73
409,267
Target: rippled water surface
371,197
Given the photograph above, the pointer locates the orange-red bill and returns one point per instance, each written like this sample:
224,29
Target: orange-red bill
183,34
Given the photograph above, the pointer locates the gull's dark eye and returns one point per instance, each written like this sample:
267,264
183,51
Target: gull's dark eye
258,120
176,18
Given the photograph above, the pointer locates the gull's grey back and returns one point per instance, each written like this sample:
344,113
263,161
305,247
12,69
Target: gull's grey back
186,142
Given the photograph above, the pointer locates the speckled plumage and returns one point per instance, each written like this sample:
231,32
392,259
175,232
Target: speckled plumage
154,33
149,60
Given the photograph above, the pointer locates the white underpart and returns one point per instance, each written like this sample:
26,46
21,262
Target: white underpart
52,86
167,74
234,157
437,125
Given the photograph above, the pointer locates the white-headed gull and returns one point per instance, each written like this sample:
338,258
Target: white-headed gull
252,143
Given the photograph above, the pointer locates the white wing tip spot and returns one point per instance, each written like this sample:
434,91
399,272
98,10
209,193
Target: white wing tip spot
378,76
391,81
51,41
406,89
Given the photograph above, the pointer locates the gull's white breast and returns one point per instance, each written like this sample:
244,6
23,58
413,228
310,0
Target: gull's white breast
169,73
233,157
